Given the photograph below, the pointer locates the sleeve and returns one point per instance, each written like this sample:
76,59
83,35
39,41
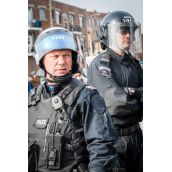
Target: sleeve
99,134
137,92
116,98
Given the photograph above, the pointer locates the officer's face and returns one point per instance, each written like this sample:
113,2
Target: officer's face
123,39
58,62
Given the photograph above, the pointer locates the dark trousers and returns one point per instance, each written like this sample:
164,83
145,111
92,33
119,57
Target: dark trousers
130,151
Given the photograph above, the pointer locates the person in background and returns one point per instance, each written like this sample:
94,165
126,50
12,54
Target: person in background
41,75
29,85
118,77
34,79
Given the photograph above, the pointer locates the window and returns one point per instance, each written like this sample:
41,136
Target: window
42,14
82,43
57,17
100,21
95,35
89,21
81,21
97,20
71,19
65,25
65,20
30,14
30,42
92,21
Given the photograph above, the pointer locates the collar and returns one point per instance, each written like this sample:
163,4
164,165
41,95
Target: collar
122,60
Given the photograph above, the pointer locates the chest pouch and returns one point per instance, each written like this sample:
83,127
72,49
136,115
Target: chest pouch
54,159
56,129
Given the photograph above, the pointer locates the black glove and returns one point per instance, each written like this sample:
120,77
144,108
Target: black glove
135,92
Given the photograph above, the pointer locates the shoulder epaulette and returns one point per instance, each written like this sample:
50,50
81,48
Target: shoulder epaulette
104,68
35,95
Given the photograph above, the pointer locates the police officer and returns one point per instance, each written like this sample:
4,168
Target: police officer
69,126
118,78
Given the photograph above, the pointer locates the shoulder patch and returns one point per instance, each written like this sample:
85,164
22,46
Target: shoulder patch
98,103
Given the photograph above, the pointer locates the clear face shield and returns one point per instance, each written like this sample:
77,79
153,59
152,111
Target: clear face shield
125,38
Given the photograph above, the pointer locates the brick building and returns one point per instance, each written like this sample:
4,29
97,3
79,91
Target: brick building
84,24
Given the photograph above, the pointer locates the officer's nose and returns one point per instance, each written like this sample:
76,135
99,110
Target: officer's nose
127,34
61,60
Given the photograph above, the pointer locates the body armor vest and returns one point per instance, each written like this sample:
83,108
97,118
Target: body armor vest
54,142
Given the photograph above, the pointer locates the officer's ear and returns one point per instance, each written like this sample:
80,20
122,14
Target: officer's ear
75,65
41,64
103,37
103,46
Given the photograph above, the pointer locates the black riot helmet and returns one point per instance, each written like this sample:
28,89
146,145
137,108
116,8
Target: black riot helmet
119,22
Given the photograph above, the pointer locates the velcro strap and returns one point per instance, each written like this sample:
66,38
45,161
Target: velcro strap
66,92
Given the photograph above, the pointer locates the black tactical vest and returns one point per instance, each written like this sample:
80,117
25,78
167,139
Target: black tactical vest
54,142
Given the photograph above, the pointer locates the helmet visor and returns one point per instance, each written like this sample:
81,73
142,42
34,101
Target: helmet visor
124,37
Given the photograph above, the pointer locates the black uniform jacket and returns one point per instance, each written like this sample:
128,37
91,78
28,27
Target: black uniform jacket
88,113
124,72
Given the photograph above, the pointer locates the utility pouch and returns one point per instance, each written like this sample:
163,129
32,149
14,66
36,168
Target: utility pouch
33,156
54,158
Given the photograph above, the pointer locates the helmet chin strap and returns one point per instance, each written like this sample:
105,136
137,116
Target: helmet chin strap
59,79
59,82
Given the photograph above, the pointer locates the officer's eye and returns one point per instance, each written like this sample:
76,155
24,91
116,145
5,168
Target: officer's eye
124,32
55,57
67,55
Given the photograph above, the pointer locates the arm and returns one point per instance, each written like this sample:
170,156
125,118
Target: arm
99,134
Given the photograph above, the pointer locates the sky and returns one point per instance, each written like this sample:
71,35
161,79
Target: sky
134,7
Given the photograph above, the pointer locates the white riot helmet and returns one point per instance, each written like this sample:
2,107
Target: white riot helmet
55,38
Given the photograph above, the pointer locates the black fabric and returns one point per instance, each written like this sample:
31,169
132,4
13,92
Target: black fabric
126,109
125,72
33,157
55,143
60,79
130,151
86,114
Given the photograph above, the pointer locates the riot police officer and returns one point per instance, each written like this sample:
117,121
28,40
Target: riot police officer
69,126
118,78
